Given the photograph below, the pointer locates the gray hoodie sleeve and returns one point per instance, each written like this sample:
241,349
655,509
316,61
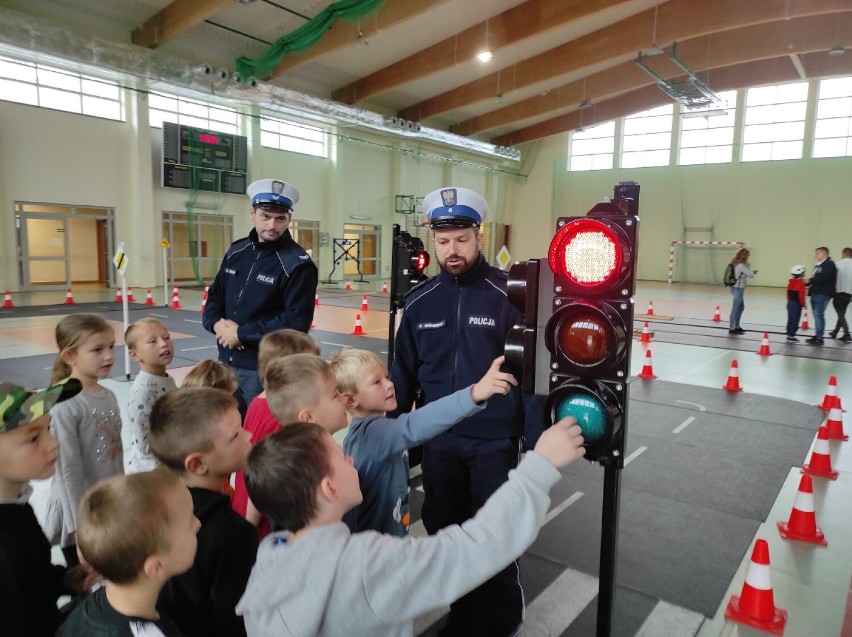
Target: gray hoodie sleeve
404,578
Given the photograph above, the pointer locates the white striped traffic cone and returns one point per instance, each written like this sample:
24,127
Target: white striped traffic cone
648,369
69,297
130,298
358,331
7,300
820,463
348,285
365,307
316,298
650,311
830,398
149,300
175,298
717,315
646,334
119,297
733,383
384,287
834,424
805,325
764,346
755,605
802,523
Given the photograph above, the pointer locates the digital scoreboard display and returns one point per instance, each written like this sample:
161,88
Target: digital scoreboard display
198,159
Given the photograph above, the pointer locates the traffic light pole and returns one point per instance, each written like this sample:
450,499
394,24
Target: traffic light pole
609,548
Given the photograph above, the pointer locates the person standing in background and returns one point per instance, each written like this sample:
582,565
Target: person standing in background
266,282
842,295
821,288
743,272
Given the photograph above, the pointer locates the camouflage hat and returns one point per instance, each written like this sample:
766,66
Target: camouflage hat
20,406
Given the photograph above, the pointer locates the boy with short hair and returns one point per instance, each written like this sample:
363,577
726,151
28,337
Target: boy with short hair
137,531
30,584
303,388
149,343
259,421
379,445
197,433
368,584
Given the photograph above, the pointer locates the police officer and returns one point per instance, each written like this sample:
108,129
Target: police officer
453,326
266,282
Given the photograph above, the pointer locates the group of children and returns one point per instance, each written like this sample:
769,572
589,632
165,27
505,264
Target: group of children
181,553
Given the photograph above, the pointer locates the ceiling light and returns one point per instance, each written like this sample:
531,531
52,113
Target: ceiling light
484,56
837,50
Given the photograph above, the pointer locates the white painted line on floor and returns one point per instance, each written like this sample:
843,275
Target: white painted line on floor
192,321
683,425
634,455
558,605
192,349
668,619
334,344
700,407
561,507
165,316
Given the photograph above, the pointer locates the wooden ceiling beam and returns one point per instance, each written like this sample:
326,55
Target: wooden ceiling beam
675,20
514,25
769,40
343,34
179,16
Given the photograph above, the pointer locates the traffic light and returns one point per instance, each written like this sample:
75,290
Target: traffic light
409,261
574,344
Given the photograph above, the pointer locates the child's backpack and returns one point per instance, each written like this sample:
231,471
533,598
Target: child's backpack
730,278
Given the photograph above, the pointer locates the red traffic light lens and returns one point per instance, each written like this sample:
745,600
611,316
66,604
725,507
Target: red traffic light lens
420,260
585,338
587,253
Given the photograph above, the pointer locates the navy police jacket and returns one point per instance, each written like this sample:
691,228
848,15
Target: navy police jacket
263,286
451,331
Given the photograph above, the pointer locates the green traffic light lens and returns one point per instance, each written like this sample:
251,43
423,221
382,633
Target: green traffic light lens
585,338
589,412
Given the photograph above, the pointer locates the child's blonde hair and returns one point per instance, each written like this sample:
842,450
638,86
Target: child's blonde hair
123,520
182,423
71,332
292,384
131,334
349,364
281,343
210,373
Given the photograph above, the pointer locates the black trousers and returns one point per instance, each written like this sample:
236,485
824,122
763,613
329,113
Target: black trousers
841,302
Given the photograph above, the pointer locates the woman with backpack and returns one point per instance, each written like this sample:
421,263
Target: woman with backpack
742,273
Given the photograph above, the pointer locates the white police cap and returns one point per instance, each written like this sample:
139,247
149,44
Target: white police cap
272,193
453,207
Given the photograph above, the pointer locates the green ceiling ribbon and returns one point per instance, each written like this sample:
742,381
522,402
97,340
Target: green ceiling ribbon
305,36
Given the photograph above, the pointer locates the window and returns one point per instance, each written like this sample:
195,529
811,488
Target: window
833,131
648,138
592,148
296,138
306,234
47,87
775,122
198,241
182,110
707,136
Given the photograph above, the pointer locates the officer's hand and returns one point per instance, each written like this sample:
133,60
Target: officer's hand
562,443
494,382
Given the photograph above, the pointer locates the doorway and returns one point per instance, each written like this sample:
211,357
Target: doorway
368,251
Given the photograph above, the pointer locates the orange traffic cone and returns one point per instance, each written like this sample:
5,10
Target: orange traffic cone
802,523
365,307
717,315
316,298
149,300
384,287
764,346
733,383
7,300
130,298
358,331
119,297
648,369
805,325
204,297
69,298
650,311
755,605
830,398
834,424
175,298
348,285
646,334
820,464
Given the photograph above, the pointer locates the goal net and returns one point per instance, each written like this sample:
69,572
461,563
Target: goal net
700,261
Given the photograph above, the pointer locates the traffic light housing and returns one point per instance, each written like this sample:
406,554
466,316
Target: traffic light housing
409,262
574,345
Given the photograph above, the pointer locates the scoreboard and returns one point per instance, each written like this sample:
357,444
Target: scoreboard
199,159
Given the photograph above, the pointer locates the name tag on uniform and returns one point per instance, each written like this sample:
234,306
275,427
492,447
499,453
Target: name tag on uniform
230,271
481,321
431,326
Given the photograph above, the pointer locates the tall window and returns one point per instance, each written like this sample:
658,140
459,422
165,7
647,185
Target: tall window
296,138
833,131
592,148
39,85
775,122
648,138
707,136
181,110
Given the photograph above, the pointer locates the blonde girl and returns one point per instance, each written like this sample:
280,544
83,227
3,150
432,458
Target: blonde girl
88,426
743,272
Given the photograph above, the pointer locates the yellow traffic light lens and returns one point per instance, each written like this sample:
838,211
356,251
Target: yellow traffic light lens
587,252
585,338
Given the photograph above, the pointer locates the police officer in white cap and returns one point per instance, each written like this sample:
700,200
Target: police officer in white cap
453,327
266,282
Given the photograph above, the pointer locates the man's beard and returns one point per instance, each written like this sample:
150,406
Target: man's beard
458,269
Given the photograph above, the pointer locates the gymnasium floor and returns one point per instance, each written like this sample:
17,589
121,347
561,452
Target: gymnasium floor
689,348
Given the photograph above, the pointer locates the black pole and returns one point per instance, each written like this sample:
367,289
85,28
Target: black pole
609,548
391,333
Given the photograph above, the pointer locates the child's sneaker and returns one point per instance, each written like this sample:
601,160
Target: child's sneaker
792,339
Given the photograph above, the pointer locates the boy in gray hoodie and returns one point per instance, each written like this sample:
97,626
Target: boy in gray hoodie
318,579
